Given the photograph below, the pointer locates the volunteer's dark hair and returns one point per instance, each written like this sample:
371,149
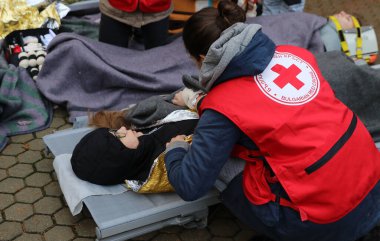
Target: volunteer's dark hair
206,26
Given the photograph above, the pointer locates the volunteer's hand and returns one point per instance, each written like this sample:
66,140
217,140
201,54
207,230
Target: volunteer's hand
177,138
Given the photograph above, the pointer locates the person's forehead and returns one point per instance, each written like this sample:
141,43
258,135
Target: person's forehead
342,13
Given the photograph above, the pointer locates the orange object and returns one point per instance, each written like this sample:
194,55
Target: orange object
372,58
183,9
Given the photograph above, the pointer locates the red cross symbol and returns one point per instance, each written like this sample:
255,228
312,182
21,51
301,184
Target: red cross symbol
287,75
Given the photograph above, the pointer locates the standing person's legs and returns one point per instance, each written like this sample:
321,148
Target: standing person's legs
273,7
155,34
297,7
114,32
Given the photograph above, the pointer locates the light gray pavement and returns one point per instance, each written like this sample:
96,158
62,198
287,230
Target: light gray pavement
32,207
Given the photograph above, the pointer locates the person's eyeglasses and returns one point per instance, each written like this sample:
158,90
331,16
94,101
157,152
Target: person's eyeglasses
116,134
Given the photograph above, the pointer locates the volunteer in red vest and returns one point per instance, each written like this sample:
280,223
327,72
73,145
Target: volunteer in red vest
120,19
311,168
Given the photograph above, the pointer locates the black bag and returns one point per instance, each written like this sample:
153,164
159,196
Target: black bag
15,37
292,2
16,54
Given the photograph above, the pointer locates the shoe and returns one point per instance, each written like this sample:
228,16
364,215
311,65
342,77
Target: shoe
260,238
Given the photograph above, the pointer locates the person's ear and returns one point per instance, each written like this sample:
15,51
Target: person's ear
199,60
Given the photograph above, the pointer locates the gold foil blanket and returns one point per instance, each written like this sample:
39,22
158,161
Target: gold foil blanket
18,15
157,180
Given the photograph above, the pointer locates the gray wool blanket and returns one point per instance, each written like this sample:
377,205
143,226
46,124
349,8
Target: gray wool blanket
296,28
22,108
148,111
85,75
356,86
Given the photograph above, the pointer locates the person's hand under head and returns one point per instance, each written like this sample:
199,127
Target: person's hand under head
129,138
187,97
178,99
345,20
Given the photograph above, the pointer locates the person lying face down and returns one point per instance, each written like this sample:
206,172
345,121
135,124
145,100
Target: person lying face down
108,156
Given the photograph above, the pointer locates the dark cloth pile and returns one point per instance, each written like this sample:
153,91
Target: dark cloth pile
295,28
150,110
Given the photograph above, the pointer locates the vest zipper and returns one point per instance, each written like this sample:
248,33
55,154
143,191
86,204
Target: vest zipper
335,148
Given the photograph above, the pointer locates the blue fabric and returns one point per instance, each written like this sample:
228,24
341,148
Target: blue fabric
194,173
273,7
284,224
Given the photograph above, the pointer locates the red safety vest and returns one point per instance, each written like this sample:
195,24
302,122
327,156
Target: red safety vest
146,6
317,148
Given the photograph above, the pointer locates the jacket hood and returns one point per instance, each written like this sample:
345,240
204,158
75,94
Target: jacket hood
241,50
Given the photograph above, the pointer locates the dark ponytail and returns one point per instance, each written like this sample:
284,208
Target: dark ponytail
206,26
231,12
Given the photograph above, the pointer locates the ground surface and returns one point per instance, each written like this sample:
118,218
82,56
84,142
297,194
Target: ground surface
32,207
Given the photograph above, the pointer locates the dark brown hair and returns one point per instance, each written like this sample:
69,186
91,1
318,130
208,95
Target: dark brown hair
206,26
108,119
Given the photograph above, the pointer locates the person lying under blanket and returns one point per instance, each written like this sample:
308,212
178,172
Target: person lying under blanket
340,31
115,153
344,32
110,85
